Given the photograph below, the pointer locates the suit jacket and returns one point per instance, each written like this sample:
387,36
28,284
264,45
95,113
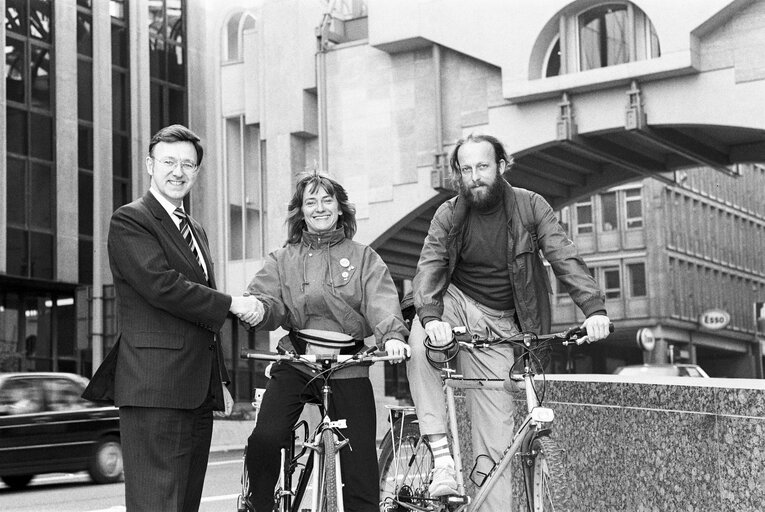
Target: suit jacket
168,315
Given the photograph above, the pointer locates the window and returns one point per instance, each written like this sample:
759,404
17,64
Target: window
31,198
611,282
636,273
121,161
633,200
609,218
232,41
85,142
167,63
603,37
584,217
608,34
246,189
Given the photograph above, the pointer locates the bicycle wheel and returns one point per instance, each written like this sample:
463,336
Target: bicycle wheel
328,487
242,501
405,464
547,477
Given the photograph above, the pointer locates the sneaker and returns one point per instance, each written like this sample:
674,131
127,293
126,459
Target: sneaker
443,481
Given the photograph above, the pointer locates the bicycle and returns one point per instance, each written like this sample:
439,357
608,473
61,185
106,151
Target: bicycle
406,459
322,447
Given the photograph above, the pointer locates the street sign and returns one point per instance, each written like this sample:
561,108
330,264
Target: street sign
714,319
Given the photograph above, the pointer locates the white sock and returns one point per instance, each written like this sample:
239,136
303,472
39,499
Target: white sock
442,457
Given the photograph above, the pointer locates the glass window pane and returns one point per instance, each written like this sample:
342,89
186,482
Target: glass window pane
176,71
120,155
41,196
15,17
16,252
252,230
15,68
584,218
611,283
85,261
17,131
39,19
119,45
235,233
40,78
156,19
84,34
84,3
85,147
553,60
120,193
42,128
157,58
41,255
637,279
157,107
232,38
117,9
17,198
176,111
608,211
120,112
603,36
84,90
174,21
85,203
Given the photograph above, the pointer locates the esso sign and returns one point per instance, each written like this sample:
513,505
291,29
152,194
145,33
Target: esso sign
714,319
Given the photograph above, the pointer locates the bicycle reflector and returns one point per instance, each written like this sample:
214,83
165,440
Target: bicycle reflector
439,355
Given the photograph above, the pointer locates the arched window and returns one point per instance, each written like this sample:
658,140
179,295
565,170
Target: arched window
606,34
232,37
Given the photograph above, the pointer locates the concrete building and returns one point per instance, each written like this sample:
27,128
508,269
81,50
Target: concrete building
648,114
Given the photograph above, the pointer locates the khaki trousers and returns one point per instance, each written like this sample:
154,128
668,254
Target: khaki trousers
491,412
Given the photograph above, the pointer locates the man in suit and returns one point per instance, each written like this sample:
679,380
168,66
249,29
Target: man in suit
169,374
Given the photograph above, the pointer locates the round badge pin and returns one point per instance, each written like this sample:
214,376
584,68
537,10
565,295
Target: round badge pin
344,262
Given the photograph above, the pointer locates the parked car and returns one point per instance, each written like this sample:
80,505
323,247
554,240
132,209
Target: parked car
667,370
46,427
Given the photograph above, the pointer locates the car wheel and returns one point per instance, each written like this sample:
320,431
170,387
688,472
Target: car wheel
17,481
106,461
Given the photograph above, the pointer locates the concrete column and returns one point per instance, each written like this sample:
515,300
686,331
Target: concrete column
3,166
65,66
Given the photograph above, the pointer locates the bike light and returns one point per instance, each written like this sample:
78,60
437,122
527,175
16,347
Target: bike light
542,415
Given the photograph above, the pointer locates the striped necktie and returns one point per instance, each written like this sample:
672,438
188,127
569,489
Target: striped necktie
186,234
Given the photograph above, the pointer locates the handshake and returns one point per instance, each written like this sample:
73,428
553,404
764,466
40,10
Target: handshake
248,309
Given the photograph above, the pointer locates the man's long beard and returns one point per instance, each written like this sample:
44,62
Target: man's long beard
486,201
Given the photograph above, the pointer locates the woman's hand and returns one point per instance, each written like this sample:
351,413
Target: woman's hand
396,347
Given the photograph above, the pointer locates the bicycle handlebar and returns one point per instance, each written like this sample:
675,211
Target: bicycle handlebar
361,357
573,335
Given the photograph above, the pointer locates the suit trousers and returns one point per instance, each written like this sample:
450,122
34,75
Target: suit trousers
491,411
352,399
165,453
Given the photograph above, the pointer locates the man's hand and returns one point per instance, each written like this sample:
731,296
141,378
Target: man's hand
597,327
440,333
248,308
396,347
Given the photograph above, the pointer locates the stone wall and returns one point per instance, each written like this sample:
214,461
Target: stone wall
692,445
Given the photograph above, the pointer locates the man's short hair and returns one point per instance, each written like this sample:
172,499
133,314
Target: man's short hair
177,133
499,154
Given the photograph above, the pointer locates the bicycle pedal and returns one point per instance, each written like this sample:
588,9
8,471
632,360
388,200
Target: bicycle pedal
456,500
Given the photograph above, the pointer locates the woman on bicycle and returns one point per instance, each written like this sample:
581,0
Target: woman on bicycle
321,280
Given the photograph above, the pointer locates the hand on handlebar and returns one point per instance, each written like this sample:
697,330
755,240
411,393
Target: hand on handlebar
397,348
597,326
440,333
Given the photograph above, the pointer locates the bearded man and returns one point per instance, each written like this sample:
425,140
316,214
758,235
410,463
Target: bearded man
480,268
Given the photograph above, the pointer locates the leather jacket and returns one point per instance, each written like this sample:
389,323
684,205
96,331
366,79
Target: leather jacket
529,277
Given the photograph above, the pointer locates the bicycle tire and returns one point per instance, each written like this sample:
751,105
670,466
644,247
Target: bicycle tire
547,477
328,497
405,471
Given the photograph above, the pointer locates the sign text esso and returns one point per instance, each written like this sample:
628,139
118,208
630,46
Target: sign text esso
714,319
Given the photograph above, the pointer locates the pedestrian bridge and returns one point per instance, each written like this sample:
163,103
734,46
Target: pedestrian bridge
700,101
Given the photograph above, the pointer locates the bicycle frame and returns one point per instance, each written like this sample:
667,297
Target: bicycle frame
536,419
